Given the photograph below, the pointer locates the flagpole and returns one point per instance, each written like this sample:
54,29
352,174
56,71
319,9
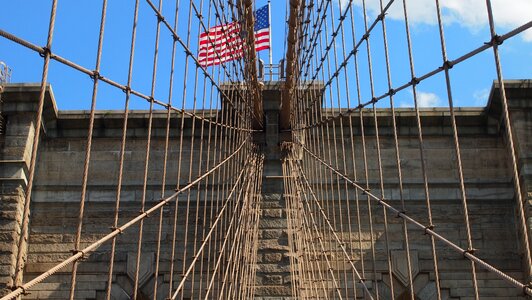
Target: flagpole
270,25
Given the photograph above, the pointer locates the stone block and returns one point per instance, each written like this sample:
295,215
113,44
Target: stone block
272,223
489,192
279,290
273,268
272,213
272,257
271,233
268,245
272,280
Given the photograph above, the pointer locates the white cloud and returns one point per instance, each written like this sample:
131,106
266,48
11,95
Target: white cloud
471,14
481,97
427,99
343,4
424,99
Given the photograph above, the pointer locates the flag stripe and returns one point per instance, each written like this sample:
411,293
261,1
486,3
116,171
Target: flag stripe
235,42
220,53
208,38
223,43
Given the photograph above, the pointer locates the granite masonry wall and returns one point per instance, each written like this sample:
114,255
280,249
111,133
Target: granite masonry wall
54,209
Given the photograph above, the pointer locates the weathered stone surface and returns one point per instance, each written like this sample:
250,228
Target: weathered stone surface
55,203
273,290
272,257
272,280
272,213
400,267
272,233
146,267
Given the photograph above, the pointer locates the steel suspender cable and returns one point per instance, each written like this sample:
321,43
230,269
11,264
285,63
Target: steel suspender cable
351,174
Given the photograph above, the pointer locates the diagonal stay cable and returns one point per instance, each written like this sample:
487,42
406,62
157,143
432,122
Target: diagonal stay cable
329,46
510,140
320,239
81,253
427,229
187,50
332,229
214,225
415,81
219,260
257,171
19,265
94,74
176,37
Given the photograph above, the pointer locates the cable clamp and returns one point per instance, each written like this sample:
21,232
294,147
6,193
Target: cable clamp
429,227
45,52
143,212
527,288
365,36
401,212
374,100
470,251
75,252
24,291
392,92
126,89
496,40
95,75
160,17
447,65
414,80
113,228
380,17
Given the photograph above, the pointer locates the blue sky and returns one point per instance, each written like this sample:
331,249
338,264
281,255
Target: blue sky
76,37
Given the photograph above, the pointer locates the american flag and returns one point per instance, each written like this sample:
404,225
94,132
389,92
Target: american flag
262,28
224,43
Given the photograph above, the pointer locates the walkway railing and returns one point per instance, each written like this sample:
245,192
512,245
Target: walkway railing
271,72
